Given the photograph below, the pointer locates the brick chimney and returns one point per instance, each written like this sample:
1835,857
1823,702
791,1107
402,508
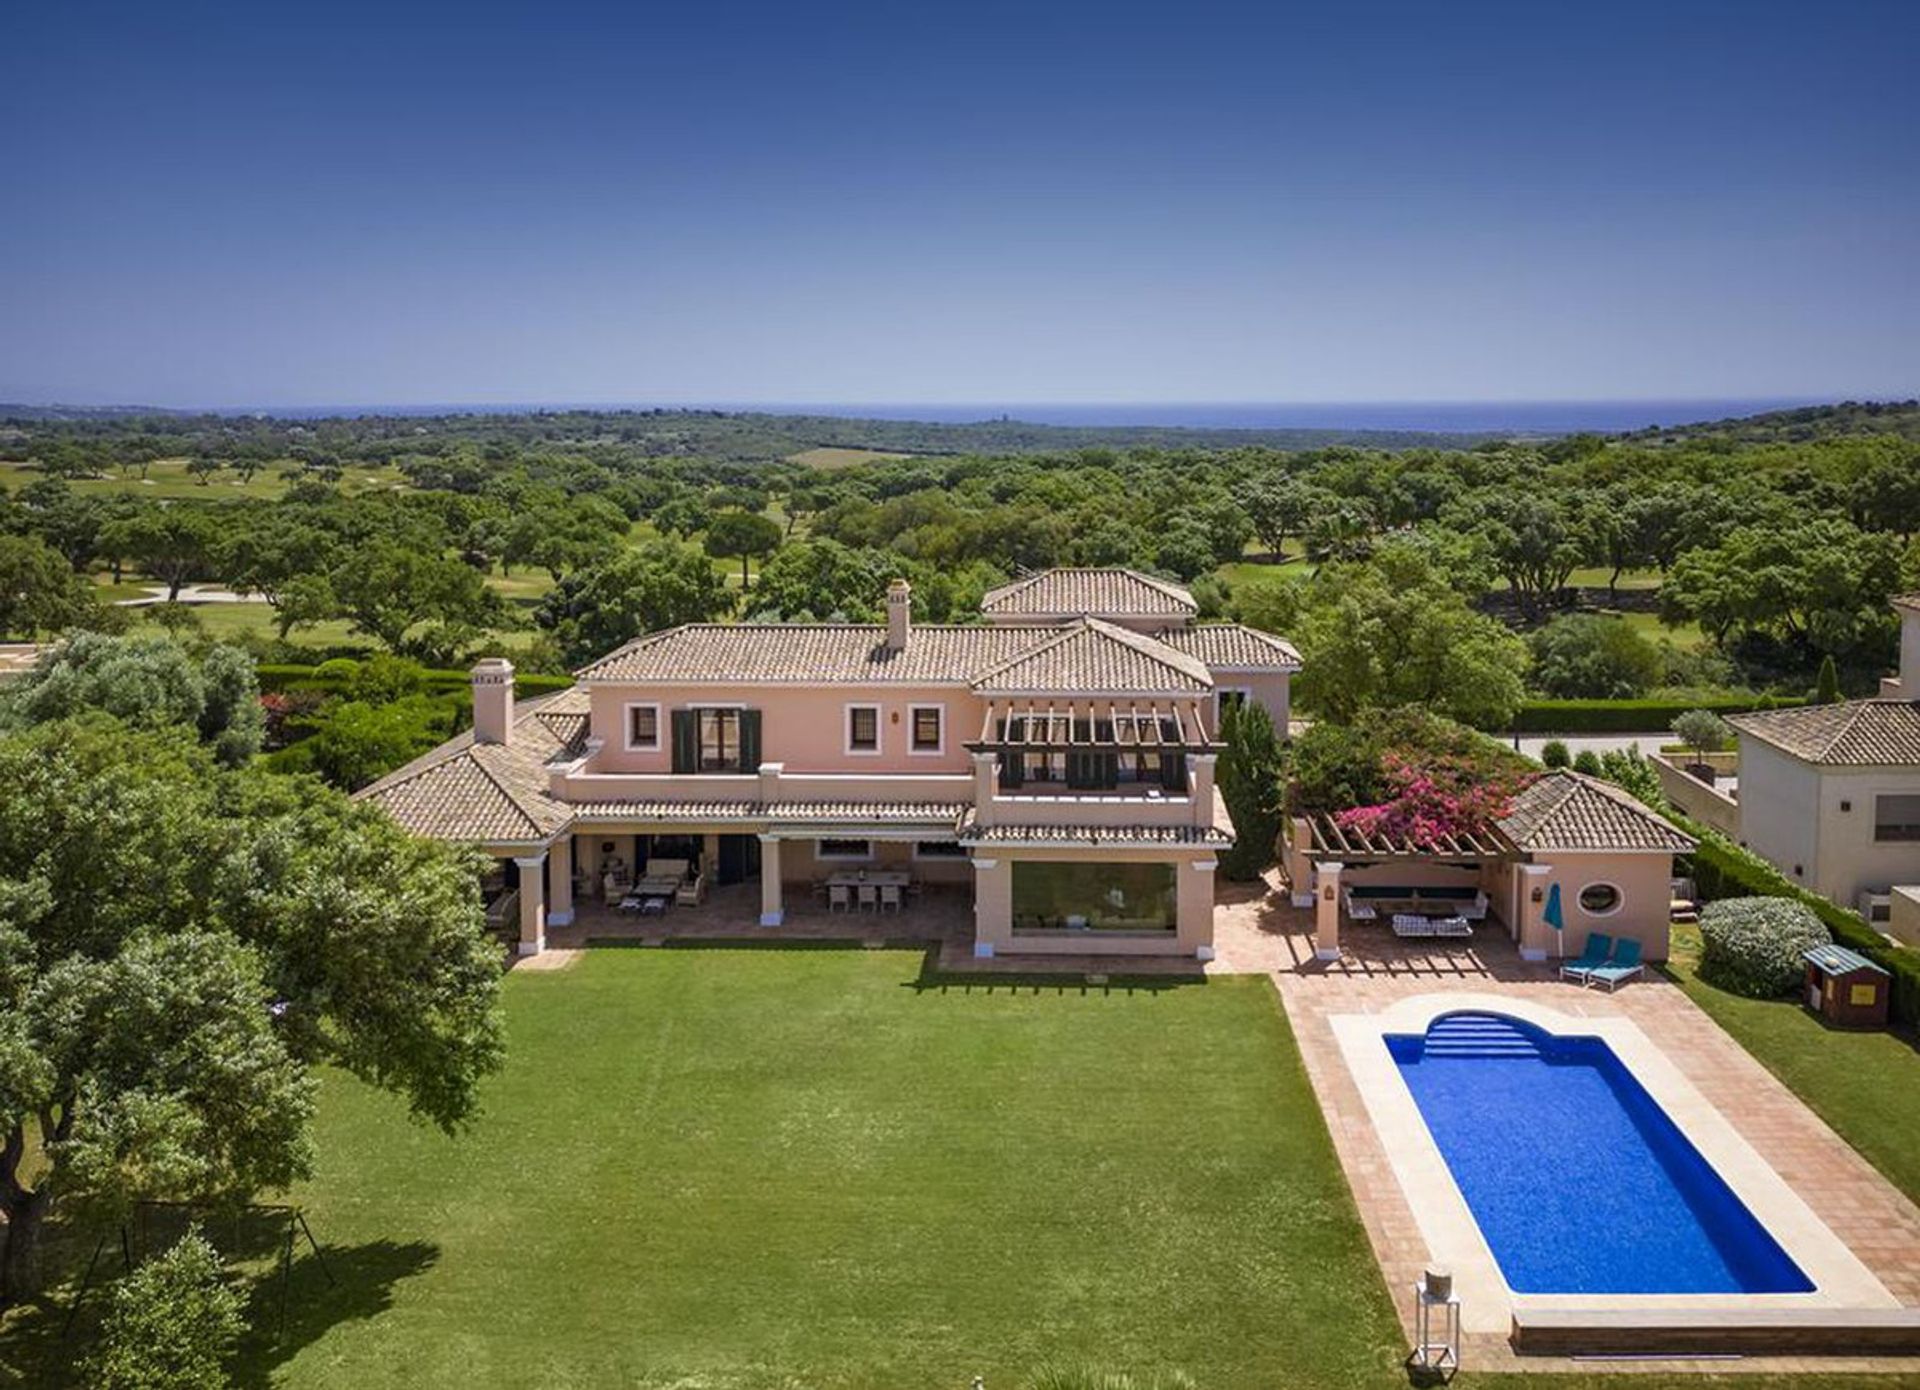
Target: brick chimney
493,701
899,614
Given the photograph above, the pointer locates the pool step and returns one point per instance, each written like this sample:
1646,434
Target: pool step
1478,1035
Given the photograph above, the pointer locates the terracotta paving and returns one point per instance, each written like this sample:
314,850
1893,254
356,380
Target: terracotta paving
1258,930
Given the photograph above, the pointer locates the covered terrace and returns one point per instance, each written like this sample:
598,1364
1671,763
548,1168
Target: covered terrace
1445,887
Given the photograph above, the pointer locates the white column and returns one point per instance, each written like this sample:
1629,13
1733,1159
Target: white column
1531,931
772,909
560,870
992,906
1193,900
533,904
986,786
1300,862
1326,919
1200,780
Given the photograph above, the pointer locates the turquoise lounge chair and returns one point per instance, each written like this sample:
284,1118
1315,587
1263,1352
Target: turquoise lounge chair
1624,965
1599,944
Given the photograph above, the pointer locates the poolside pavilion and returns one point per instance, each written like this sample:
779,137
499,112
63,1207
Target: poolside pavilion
1571,849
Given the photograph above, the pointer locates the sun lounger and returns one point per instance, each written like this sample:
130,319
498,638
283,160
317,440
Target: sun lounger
1359,911
1599,946
1624,965
1451,926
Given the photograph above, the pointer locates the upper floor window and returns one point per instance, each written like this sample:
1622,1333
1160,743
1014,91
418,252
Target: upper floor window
709,738
1225,701
927,733
643,728
1896,817
863,728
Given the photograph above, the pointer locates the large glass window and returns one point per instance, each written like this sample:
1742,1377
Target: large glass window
719,740
643,726
1896,818
1049,896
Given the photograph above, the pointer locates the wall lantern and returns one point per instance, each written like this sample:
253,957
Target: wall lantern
1327,892
1539,893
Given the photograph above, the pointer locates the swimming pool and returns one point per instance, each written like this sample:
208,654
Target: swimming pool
1578,1180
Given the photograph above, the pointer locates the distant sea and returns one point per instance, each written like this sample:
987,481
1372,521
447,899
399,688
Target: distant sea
1464,417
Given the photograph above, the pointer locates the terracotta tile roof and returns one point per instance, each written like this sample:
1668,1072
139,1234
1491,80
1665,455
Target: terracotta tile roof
739,652
1230,644
1857,733
1095,836
1083,657
489,793
1906,601
1096,658
1100,593
1566,810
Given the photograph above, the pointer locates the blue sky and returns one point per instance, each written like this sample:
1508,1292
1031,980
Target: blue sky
265,204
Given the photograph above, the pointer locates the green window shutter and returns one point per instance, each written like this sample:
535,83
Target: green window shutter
1010,768
1173,771
686,741
1109,770
1079,768
749,740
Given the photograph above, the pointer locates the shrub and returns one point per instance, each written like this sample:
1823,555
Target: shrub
1249,779
1826,689
172,1325
1753,945
1722,869
1588,656
1554,753
1587,762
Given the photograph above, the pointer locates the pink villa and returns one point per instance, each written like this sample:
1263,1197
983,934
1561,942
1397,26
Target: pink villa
1057,761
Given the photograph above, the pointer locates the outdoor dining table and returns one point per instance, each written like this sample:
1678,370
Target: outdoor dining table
853,879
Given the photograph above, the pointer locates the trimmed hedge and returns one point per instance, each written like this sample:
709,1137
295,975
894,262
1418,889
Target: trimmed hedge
283,678
1629,716
1721,869
1753,945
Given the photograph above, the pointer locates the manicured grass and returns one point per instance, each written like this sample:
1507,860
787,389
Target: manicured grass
168,478
1595,577
1682,635
788,1167
772,1167
828,457
1866,1085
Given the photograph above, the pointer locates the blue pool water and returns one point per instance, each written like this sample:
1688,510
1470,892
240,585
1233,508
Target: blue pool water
1579,1181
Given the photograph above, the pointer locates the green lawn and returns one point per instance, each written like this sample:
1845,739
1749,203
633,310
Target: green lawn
1864,1084
825,1168
169,478
762,1167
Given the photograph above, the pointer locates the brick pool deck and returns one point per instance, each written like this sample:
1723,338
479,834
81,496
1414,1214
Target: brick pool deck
1257,930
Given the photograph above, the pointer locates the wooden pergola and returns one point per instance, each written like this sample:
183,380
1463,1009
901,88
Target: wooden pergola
1329,840
1013,725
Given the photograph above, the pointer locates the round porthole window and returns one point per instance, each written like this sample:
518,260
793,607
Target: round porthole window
1599,898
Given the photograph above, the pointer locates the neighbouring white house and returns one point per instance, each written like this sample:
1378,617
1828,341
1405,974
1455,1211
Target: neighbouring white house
1830,794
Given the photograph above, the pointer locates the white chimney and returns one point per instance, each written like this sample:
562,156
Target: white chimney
899,614
493,701
1909,610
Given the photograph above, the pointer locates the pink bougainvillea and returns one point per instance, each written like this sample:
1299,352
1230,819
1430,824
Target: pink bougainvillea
1432,799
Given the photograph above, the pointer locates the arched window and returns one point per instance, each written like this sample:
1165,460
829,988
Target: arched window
1598,899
